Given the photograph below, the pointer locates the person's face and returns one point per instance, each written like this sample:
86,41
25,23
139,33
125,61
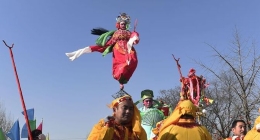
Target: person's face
148,102
124,112
122,25
240,129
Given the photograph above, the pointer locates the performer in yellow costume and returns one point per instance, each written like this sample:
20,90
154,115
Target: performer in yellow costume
254,133
181,125
125,124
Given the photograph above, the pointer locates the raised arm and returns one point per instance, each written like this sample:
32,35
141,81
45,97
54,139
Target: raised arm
135,37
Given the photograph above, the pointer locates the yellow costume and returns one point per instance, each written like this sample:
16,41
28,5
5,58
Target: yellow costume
253,134
176,128
133,131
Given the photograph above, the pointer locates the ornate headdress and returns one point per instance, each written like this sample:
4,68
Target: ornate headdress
120,93
123,17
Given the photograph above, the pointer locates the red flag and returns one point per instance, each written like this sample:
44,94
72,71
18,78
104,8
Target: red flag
40,126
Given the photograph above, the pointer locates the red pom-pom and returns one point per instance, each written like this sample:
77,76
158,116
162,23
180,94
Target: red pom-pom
117,25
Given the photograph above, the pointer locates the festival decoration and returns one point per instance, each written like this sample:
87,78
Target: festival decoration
193,89
165,108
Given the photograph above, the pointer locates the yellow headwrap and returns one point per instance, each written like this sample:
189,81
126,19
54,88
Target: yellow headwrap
136,120
183,107
253,134
257,121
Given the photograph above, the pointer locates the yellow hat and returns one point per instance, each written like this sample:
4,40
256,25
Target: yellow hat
183,107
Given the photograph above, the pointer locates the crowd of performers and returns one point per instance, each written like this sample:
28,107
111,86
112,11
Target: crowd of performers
128,122
155,120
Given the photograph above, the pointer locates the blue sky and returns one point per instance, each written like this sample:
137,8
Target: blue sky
72,96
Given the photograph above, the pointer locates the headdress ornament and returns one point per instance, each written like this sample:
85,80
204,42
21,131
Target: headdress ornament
123,17
120,93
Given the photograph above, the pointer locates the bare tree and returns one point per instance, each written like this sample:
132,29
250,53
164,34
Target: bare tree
5,121
233,86
225,109
244,65
170,97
